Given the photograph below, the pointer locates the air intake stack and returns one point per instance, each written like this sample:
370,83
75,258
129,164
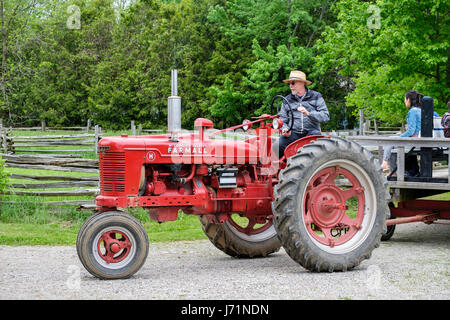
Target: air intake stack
174,109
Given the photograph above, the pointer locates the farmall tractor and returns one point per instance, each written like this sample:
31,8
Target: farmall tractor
325,201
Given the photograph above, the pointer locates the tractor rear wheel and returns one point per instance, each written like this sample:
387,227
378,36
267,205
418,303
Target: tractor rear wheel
330,205
112,245
242,241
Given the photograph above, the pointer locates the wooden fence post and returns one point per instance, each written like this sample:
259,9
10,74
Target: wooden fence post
361,122
380,154
97,134
43,125
88,125
366,126
3,140
133,128
139,129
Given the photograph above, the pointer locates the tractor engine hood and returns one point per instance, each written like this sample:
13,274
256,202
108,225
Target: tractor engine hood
188,149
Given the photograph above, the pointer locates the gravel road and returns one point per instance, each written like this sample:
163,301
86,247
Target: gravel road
414,264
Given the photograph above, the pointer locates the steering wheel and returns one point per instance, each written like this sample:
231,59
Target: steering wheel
290,109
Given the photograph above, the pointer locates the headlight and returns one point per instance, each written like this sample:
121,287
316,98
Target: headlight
277,123
247,125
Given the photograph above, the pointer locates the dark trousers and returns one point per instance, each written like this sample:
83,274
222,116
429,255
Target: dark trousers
281,144
411,164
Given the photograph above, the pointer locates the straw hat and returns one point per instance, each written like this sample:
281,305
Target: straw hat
296,75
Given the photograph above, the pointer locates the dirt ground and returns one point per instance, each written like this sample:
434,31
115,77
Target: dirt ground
414,264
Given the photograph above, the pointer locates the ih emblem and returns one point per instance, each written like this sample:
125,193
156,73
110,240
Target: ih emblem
151,156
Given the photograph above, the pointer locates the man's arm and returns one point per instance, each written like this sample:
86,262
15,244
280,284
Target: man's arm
320,114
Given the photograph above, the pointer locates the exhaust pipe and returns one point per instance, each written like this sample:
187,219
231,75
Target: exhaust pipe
174,109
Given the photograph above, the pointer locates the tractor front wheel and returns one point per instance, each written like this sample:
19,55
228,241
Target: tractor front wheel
112,245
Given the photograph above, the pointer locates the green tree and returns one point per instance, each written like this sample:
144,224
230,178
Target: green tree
69,57
16,18
53,47
386,48
261,41
151,38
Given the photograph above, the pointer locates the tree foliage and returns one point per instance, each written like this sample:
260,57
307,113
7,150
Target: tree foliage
110,61
407,48
261,42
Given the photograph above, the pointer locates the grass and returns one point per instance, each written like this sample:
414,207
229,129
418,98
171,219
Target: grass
441,197
47,226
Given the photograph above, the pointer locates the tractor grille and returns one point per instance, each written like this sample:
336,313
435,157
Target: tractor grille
112,171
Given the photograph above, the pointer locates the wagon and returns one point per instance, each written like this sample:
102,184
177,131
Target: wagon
406,205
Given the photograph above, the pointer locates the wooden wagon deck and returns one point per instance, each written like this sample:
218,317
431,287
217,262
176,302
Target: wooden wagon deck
439,179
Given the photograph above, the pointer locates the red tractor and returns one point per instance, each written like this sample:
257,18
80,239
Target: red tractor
325,201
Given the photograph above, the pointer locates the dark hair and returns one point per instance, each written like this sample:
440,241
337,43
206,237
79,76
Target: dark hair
415,98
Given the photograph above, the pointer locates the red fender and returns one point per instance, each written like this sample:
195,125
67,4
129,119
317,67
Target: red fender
294,146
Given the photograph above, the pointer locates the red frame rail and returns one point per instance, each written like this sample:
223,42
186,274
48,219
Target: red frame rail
427,211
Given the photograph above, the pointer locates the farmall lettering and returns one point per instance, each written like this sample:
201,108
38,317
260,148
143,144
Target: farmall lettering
189,149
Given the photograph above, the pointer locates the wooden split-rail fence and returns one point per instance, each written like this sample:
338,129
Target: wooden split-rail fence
67,145
53,185
56,154
60,155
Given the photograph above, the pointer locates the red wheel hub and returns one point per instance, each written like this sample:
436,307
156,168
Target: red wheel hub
327,215
326,206
113,246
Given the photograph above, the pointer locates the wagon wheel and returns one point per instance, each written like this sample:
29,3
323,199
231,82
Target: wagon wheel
330,205
389,233
390,229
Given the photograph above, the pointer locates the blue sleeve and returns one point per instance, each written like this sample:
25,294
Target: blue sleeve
411,120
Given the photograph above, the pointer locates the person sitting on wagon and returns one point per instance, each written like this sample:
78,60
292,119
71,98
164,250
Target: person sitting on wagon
413,101
309,110
445,122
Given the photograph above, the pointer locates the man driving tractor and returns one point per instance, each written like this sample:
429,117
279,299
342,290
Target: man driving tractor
309,110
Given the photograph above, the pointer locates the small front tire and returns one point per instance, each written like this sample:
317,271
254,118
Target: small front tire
112,245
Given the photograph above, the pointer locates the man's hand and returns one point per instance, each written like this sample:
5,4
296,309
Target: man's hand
303,110
285,133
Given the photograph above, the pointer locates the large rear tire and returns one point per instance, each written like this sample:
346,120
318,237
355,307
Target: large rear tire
330,205
242,242
112,245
